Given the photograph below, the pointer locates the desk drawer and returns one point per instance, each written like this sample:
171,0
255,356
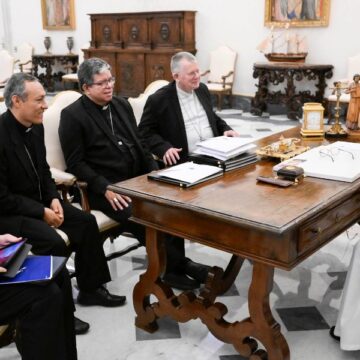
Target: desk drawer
329,224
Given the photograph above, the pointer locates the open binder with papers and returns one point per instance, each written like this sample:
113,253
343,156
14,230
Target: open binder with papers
187,174
36,269
224,147
337,161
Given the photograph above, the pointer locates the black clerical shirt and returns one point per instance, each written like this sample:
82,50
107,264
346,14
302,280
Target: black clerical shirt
130,164
27,136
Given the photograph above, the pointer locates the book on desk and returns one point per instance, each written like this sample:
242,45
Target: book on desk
187,174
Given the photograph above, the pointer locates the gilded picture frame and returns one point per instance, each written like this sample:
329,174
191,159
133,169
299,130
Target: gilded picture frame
297,13
58,14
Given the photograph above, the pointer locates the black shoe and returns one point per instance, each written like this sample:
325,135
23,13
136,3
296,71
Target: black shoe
101,297
332,334
81,327
197,271
180,281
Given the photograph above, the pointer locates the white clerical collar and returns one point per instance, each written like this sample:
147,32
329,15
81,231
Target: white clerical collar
105,107
182,93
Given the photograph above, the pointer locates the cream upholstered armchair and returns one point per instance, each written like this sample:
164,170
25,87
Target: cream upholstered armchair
6,67
23,57
73,77
138,103
220,76
108,228
353,67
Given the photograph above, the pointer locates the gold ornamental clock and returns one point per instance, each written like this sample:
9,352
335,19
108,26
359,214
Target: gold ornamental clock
313,120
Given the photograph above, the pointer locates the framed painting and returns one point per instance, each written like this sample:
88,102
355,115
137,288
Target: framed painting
58,14
300,13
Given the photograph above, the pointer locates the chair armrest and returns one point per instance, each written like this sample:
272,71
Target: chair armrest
24,63
64,181
224,78
84,199
62,177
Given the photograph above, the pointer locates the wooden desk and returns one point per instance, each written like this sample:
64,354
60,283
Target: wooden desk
272,73
274,227
48,61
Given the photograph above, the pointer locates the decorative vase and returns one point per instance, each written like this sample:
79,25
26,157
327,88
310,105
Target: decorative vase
70,44
47,44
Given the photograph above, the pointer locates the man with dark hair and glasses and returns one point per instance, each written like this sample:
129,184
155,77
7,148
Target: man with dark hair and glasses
101,145
30,202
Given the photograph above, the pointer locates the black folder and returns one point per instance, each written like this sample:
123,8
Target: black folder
183,184
227,165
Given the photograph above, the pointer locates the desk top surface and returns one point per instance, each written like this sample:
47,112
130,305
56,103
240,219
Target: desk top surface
238,198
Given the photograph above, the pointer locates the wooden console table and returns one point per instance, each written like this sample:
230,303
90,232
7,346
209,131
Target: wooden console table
47,61
272,73
139,45
274,227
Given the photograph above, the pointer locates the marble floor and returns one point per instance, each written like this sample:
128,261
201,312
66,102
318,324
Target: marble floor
304,301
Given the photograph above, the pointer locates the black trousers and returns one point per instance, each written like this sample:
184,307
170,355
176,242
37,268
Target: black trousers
174,245
82,230
45,318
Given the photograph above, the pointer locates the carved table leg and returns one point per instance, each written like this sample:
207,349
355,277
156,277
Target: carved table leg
265,328
260,325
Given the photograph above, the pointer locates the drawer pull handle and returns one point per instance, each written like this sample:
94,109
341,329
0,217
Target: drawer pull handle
317,230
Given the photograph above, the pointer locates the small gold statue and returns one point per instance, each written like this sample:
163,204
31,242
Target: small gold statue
353,113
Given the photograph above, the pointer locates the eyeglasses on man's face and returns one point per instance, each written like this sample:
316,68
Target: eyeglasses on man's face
110,81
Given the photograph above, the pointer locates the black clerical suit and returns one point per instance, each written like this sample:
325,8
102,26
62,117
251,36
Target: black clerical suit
44,316
26,187
37,309
162,124
101,147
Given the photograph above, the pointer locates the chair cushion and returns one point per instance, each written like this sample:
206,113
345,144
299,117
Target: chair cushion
70,77
63,236
218,87
103,221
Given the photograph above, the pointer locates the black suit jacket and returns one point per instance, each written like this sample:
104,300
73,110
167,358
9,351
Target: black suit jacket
91,151
19,185
162,124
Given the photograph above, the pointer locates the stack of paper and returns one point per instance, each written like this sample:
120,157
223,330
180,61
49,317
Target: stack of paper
186,174
224,147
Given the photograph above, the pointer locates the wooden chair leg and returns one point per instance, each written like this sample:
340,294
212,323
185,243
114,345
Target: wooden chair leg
219,104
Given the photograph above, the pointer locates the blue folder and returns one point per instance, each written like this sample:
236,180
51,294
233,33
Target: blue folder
36,269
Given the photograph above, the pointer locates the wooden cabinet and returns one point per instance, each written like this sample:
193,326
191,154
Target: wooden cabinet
139,46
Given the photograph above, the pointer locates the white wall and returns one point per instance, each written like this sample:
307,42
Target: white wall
236,23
